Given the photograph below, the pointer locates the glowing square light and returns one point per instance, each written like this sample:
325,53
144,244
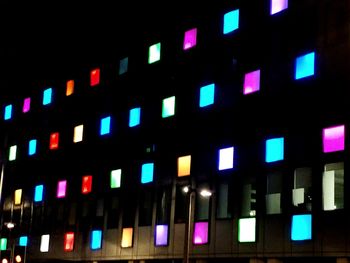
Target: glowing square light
333,139
68,241
54,140
278,6
44,243
32,147
96,239
168,107
47,97
134,117
86,185
18,197
184,165
3,243
200,234
190,39
13,153
69,87
154,53
78,133
23,241
61,189
246,229
251,82
231,21
226,158
127,237
116,176
26,105
94,77
301,227
147,173
8,112
105,125
123,65
161,235
274,150
206,95
305,66
38,193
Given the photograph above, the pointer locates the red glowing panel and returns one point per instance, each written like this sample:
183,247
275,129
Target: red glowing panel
95,77
69,241
86,185
54,139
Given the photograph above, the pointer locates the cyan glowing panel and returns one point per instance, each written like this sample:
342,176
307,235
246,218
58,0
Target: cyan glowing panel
8,112
13,153
32,147
3,243
246,229
134,117
206,95
78,133
251,82
26,105
95,77
54,140
274,150
38,193
96,239
278,6
200,233
127,236
69,241
154,53
18,197
231,21
70,87
61,189
147,173
305,66
105,125
226,158
333,139
47,97
23,241
184,165
44,243
190,39
301,227
123,65
161,235
168,107
116,176
86,185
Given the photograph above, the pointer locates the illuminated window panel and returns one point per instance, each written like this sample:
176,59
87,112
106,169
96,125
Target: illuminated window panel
251,82
301,227
200,233
154,53
147,173
274,150
105,125
231,21
134,117
278,6
3,243
54,140
61,189
23,241
184,166
333,188
44,243
32,147
26,105
161,235
8,112
70,87
206,95
47,97
168,107
38,193
123,65
333,139
86,184
305,66
190,39
94,77
96,239
69,241
13,153
116,176
226,158
246,229
127,236
78,133
18,197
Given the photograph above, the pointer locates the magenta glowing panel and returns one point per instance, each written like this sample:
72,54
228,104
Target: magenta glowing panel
333,139
61,189
278,6
26,105
200,234
161,235
190,39
251,82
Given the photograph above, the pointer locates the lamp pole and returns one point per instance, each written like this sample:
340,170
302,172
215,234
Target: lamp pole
191,202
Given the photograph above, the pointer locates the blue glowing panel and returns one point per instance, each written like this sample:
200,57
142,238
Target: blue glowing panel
301,227
47,98
38,193
134,117
231,21
274,150
305,66
206,96
105,127
96,239
147,173
8,112
32,147
23,241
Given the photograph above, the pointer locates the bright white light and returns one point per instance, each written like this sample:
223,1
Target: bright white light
186,189
205,193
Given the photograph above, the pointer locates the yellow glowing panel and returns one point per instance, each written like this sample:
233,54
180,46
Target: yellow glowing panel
78,133
127,237
184,165
18,196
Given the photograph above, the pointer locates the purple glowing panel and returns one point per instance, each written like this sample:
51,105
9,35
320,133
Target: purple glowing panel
251,82
278,6
333,139
190,39
161,235
200,235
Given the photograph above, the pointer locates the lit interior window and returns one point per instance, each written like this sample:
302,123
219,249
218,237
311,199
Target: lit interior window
47,97
26,105
333,186
168,107
305,66
78,133
154,53
61,189
18,197
127,237
278,6
13,153
96,239
23,241
38,193
190,39
301,227
226,158
161,235
8,112
86,184
32,147
95,77
54,140
206,96
184,165
134,118
44,243
3,243
246,229
105,127
69,241
116,178
333,139
123,65
231,21
70,87
200,234
147,173
274,150
251,82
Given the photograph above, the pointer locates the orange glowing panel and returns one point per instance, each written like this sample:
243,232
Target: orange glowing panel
86,185
54,139
70,87
184,166
127,237
95,77
69,241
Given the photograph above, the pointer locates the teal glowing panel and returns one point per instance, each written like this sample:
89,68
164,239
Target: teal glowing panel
206,96
154,53
23,241
305,66
8,112
105,125
134,117
301,227
96,239
32,147
231,21
147,173
123,65
38,193
47,97
168,107
274,150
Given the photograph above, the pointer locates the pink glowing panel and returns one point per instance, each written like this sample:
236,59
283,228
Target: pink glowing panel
26,105
61,189
278,6
190,39
251,82
161,235
200,235
333,139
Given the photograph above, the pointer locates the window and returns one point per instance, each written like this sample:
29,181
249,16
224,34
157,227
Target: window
333,139
154,53
105,125
44,243
333,186
147,173
68,241
273,193
95,77
145,207
302,196
206,96
301,227
26,105
246,229
3,243
248,205
70,87
61,189
226,158
251,82
163,206
127,236
8,112
86,185
278,6
202,208
116,178
190,39
13,153
223,205
54,140
184,165
305,66
200,233
113,212
161,235
168,107
274,150
78,133
32,147
123,65
18,197
23,241
134,117
47,97
38,193
96,239
231,21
